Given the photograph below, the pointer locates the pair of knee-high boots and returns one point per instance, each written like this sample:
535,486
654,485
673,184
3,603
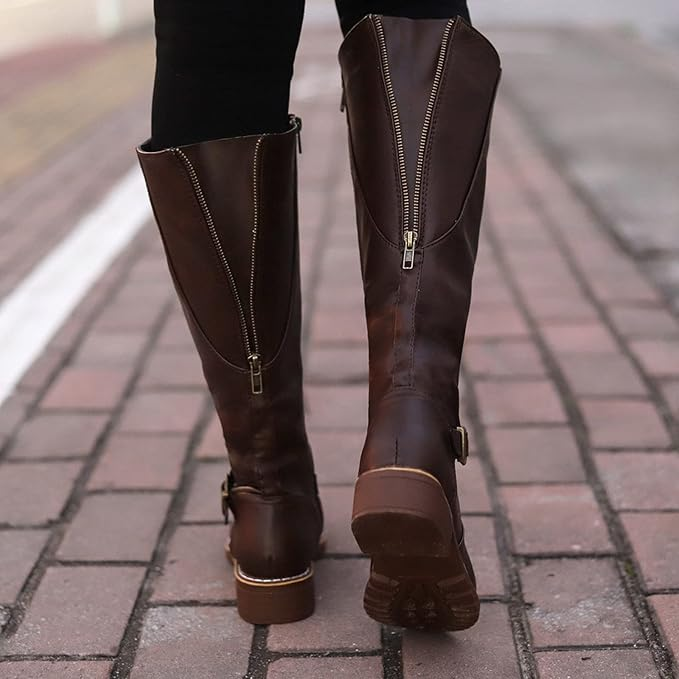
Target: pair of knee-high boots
419,96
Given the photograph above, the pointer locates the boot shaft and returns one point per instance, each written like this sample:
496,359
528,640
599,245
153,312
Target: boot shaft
227,214
419,97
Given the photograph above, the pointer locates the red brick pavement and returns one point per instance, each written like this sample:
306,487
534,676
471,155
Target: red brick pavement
111,560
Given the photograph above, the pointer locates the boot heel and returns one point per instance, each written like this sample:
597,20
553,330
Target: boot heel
418,577
401,512
275,601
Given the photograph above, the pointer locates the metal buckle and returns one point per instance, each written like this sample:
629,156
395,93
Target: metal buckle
463,451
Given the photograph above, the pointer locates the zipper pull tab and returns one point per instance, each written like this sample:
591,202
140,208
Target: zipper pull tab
255,362
343,100
410,239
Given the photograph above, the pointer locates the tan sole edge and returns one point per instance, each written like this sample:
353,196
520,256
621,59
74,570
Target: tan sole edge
273,601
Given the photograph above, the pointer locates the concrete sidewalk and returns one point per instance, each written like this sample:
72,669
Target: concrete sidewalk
111,560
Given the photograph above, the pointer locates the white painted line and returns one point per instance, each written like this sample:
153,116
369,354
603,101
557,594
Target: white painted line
32,313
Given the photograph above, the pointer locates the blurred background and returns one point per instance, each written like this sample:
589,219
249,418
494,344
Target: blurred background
599,77
30,23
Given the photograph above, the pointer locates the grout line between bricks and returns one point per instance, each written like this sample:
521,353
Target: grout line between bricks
259,659
591,647
330,653
53,657
392,652
88,563
567,556
193,603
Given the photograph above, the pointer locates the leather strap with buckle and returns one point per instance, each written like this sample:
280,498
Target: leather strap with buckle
461,444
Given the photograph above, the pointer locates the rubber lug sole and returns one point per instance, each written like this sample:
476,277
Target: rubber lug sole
418,579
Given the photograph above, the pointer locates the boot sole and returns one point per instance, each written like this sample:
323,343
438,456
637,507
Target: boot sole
274,601
402,520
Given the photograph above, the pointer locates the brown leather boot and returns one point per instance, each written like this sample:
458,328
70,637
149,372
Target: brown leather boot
419,96
227,212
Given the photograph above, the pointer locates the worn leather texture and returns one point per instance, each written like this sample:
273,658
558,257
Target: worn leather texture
417,318
232,188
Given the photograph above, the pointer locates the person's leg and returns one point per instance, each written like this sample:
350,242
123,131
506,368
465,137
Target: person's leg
352,11
223,68
222,176
418,94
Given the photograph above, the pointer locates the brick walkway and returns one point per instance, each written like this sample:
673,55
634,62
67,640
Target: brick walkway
111,560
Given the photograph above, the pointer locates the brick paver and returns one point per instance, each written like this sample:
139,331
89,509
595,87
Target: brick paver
535,454
35,493
338,623
19,550
196,568
578,603
111,539
666,607
115,527
208,641
77,610
48,435
535,510
627,664
46,669
428,656
320,668
81,388
139,462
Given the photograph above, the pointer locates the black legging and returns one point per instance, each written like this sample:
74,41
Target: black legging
224,66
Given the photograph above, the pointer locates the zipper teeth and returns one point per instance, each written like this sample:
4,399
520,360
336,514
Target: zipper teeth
398,134
255,228
193,176
426,125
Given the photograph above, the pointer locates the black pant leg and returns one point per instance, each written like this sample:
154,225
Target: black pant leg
352,11
223,68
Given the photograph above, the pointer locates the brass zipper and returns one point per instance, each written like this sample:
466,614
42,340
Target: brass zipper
411,221
217,244
249,334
